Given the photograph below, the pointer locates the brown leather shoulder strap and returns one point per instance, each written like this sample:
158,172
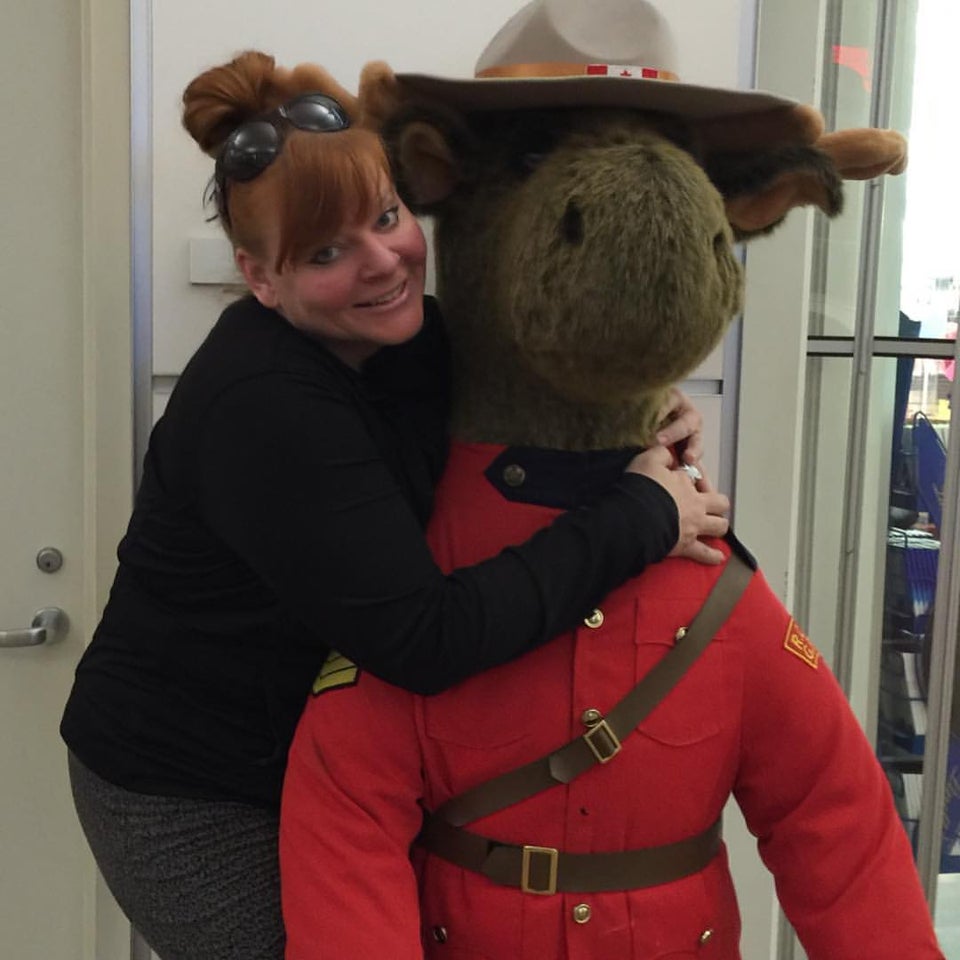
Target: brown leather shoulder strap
602,742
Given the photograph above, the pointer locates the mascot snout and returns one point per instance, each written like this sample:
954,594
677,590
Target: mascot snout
615,250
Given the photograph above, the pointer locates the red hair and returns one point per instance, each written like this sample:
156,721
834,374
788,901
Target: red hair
318,182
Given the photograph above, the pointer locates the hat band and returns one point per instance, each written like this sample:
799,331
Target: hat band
559,69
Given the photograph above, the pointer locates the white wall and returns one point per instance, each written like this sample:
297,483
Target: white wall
441,36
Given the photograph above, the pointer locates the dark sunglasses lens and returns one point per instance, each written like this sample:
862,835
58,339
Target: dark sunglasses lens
250,149
317,113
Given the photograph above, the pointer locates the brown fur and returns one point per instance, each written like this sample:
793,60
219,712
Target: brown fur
761,131
585,264
585,257
864,154
760,187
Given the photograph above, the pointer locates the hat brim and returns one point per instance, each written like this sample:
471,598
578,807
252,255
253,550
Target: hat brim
508,93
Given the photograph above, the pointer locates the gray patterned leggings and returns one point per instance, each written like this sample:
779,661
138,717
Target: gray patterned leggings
198,878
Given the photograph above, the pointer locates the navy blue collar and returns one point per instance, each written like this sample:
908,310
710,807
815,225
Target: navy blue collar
564,479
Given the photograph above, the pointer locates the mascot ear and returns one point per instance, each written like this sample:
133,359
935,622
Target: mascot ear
766,164
426,164
760,189
418,137
379,94
865,154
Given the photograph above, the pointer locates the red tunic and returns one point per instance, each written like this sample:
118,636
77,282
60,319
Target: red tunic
758,716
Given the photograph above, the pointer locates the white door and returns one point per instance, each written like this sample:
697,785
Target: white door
63,334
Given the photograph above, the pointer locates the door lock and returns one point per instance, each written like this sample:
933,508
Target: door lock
49,559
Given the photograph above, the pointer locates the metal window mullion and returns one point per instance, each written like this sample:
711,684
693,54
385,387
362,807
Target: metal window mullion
882,347
862,361
944,648
857,437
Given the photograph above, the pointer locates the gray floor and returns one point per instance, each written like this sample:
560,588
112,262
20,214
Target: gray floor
948,915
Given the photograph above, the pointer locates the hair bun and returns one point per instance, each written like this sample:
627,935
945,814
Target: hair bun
217,101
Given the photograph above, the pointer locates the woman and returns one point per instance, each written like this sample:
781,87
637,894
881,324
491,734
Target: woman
281,512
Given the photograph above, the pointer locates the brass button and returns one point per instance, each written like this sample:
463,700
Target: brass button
706,936
680,634
514,475
594,620
591,716
440,934
581,913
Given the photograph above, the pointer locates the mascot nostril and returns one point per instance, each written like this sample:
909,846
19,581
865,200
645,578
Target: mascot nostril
571,226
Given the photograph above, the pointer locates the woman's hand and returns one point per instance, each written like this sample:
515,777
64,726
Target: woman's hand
700,508
681,426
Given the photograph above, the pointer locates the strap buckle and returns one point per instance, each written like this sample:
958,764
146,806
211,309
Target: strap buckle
529,853
602,741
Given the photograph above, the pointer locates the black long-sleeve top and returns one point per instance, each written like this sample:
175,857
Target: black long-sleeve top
280,514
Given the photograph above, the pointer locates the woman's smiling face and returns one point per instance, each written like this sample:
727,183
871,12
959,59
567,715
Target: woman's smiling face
360,291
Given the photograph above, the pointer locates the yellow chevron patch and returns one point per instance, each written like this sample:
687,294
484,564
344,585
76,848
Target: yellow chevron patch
337,672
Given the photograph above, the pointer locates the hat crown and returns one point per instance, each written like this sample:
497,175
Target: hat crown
631,32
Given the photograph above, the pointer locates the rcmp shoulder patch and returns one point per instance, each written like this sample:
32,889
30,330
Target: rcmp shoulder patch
797,643
337,672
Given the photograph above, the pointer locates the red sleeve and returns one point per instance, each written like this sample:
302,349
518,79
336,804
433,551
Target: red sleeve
817,800
349,814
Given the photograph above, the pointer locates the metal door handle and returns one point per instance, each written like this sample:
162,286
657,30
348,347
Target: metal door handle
49,624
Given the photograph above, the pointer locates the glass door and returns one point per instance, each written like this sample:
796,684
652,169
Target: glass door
880,468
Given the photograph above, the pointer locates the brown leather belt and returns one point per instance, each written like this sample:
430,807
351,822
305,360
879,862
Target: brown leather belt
546,871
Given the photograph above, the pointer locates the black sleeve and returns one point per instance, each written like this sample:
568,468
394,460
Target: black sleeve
290,479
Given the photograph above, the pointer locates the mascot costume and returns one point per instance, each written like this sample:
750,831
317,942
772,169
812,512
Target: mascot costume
567,805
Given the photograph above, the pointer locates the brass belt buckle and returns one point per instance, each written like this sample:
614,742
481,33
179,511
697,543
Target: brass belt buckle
602,741
528,854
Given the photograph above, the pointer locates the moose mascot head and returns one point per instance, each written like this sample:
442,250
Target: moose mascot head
586,205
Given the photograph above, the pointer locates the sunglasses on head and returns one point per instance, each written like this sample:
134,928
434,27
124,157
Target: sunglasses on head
254,145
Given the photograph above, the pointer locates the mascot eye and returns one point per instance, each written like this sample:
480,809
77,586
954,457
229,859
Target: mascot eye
530,161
